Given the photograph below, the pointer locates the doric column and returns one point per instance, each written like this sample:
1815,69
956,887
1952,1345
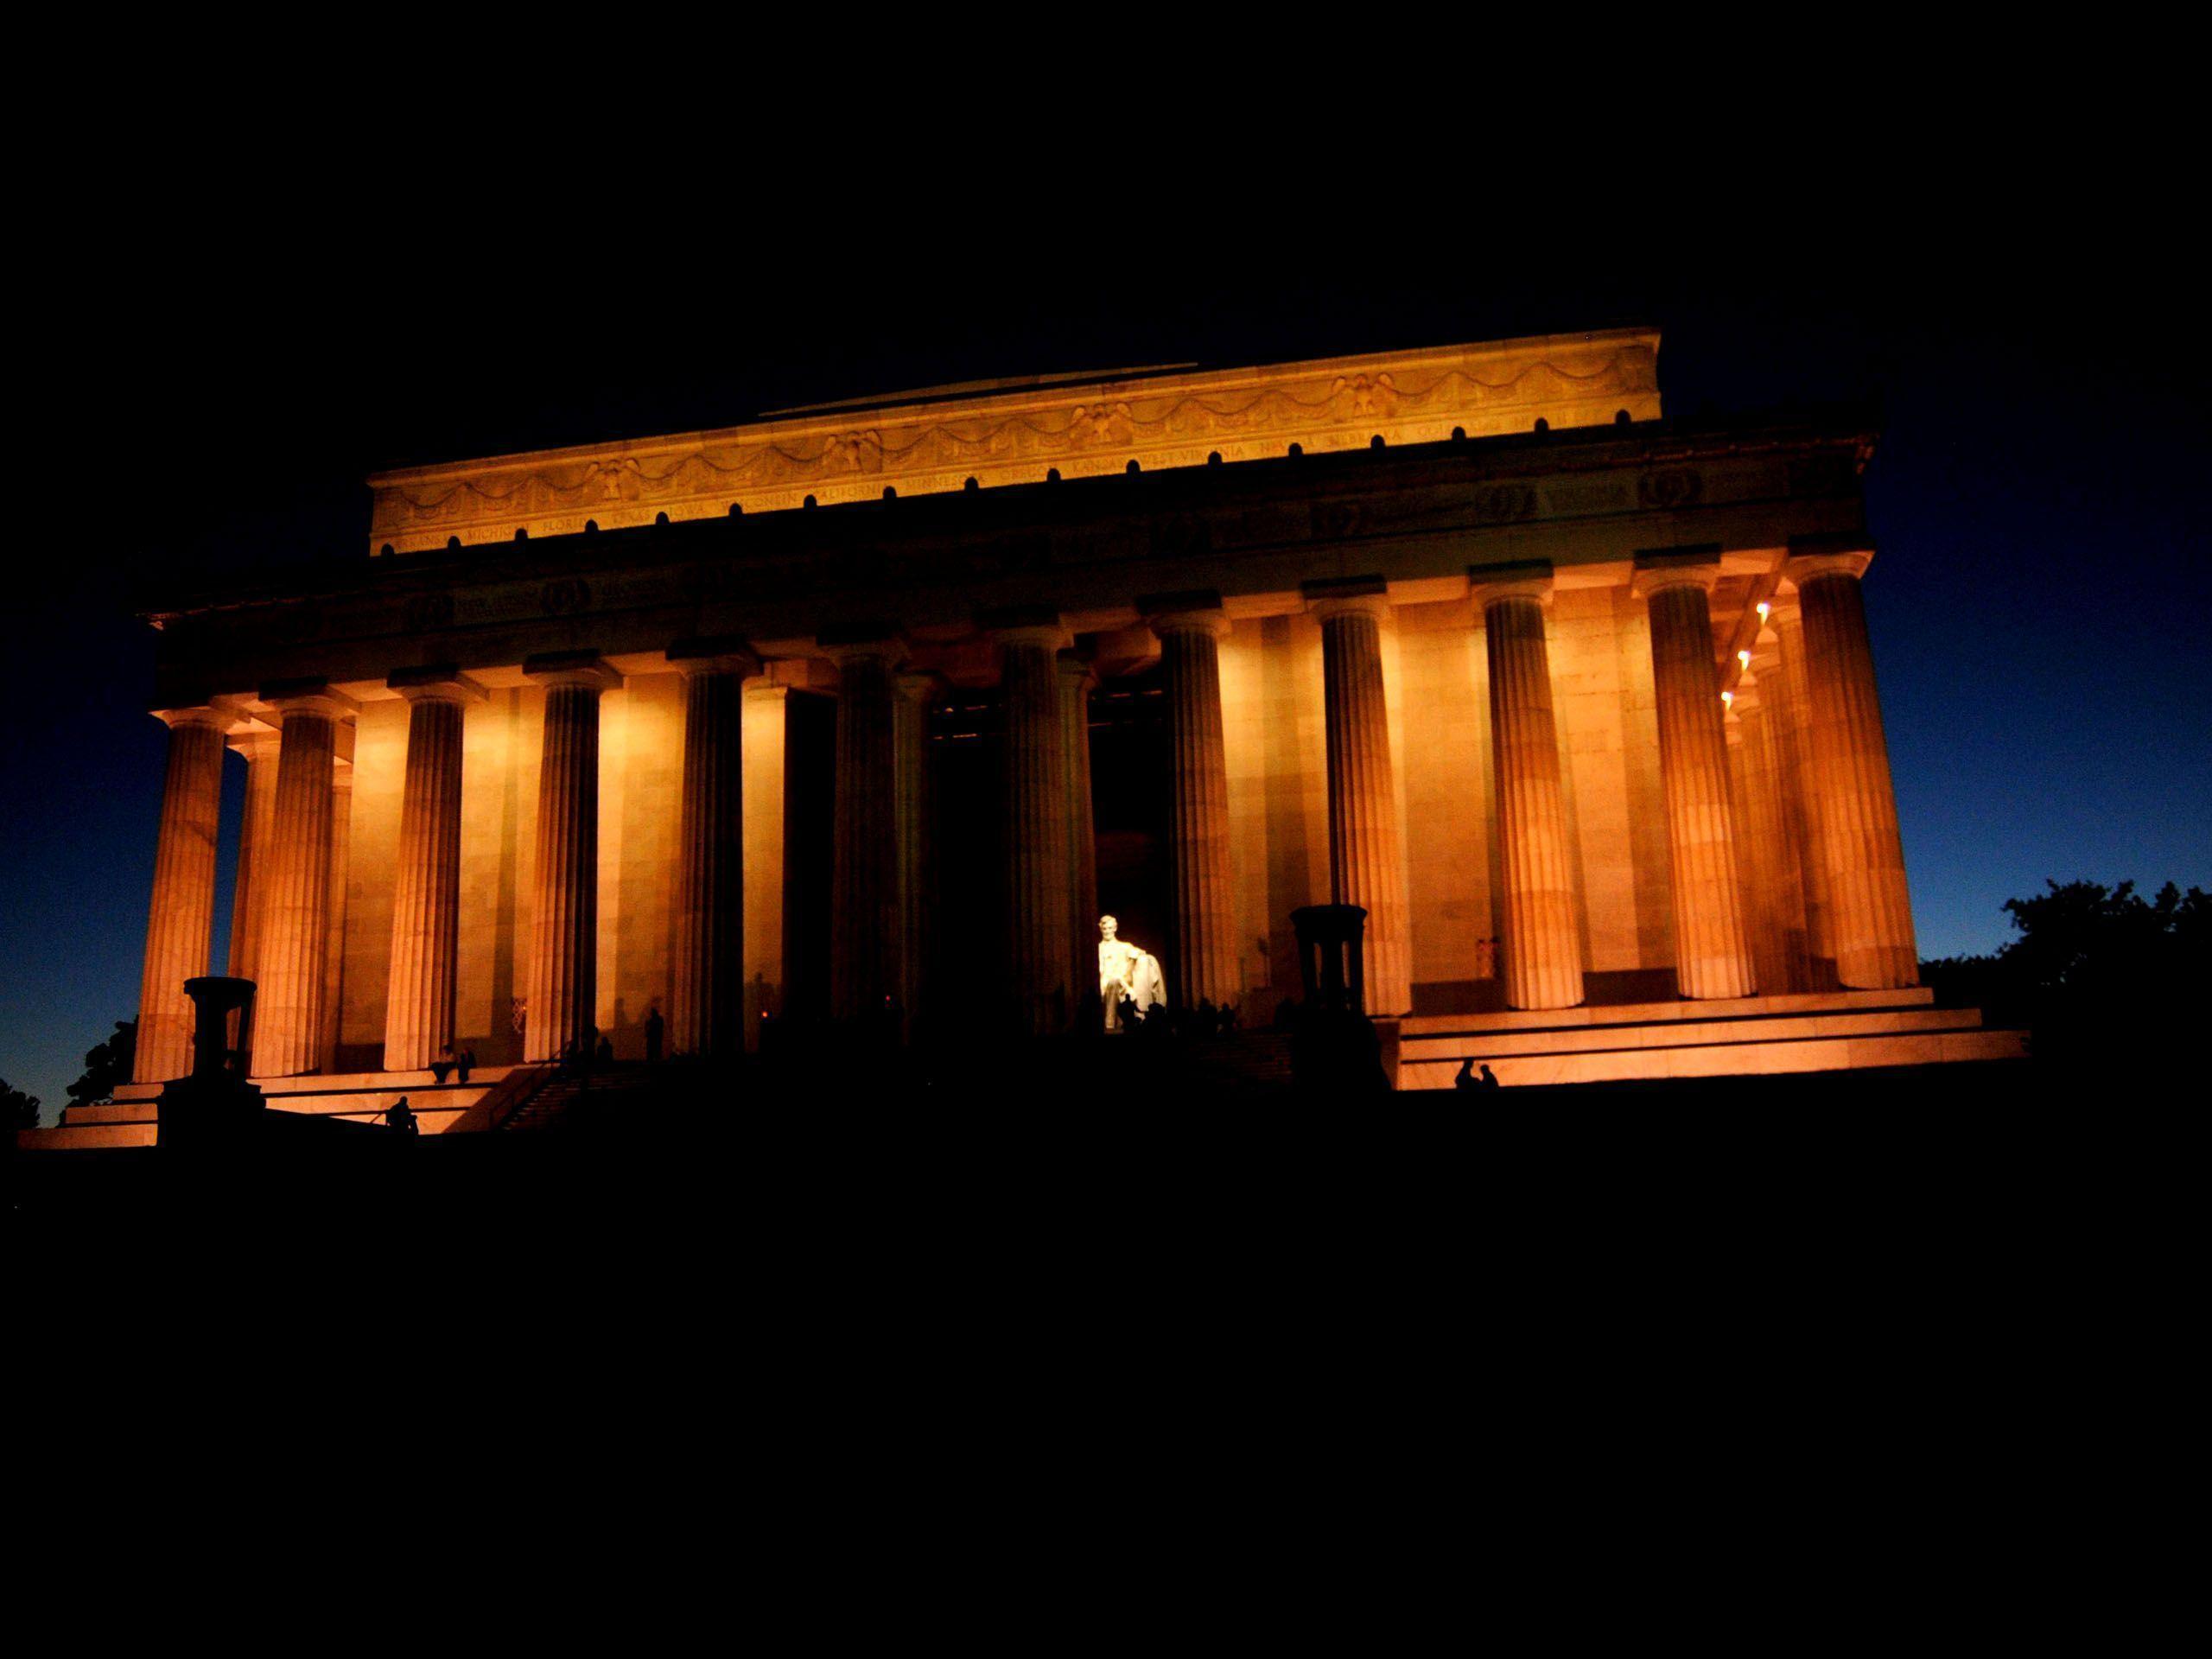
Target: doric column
910,738
865,948
1712,955
1036,805
426,895
563,967
1871,911
1205,965
1800,801
1544,944
1767,861
341,858
1077,680
248,891
1367,847
181,919
706,965
288,1028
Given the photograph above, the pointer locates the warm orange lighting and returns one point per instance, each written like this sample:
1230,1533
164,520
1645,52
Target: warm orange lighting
1727,696
1763,608
1743,658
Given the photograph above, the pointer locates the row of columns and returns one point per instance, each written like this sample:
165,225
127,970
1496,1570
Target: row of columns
292,866
1781,829
1783,842
1784,846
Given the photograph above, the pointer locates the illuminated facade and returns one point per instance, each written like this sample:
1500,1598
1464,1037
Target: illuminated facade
878,706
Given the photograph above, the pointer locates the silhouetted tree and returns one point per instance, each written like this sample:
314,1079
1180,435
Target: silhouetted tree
2100,974
106,1067
22,1109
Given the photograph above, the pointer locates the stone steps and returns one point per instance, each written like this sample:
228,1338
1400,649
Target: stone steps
1622,1013
1686,1033
1750,1054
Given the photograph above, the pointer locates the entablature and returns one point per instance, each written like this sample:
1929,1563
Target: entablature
1420,516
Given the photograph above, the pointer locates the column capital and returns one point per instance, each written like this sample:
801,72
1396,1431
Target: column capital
1527,579
1346,596
917,685
435,683
308,697
1025,625
202,714
1196,610
1825,555
1079,669
258,743
1661,567
714,654
559,668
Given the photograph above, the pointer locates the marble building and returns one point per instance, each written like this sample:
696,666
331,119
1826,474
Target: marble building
878,705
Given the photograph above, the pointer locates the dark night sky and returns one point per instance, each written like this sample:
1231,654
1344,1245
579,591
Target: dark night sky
250,324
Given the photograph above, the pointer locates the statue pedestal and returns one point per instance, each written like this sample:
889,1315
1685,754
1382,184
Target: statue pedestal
215,1106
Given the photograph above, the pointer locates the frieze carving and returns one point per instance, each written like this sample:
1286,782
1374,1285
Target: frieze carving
1674,487
1333,520
1016,436
563,594
1504,504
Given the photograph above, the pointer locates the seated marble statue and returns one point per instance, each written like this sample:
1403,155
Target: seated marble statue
1125,972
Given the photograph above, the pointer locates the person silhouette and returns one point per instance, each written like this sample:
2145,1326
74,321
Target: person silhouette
604,1054
1490,1079
655,1028
443,1065
1466,1076
461,1062
401,1117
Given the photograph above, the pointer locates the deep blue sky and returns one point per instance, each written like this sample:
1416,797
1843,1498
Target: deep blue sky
226,366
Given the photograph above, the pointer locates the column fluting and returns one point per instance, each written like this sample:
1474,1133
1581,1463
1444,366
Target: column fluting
181,914
1076,682
707,961
866,952
1801,799
250,890
1036,818
1776,914
1542,940
295,919
1205,956
1871,909
333,956
1367,848
426,890
564,968
914,810
1713,955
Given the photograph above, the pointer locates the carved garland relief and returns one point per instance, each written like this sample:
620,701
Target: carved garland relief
1242,418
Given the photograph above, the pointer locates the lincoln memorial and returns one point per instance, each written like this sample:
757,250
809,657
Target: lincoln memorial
869,712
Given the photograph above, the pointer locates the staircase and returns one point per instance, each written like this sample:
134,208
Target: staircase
1746,1036
553,1098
